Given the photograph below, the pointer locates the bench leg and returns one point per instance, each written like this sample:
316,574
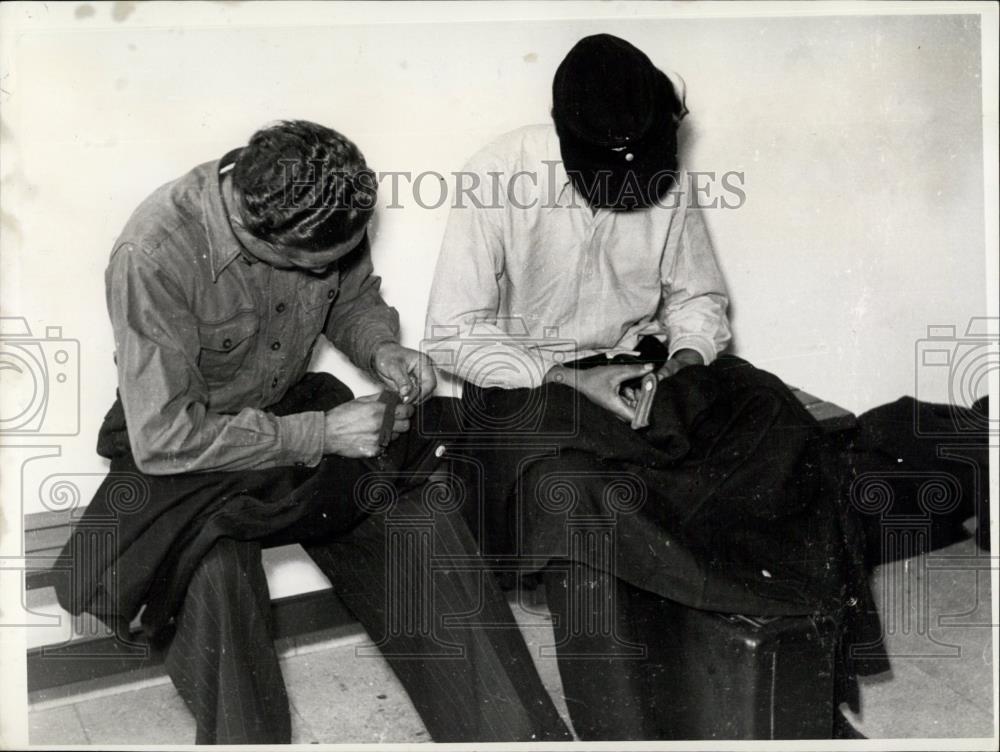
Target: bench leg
222,658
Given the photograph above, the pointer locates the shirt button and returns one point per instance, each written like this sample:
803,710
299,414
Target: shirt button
227,343
280,308
330,294
275,345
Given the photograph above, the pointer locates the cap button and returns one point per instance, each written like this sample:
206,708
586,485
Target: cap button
629,157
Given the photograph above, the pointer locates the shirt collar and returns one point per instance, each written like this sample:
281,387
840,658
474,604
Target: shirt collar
223,246
563,184
566,195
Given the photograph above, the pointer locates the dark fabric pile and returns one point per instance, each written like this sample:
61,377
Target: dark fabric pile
747,506
141,537
740,511
914,472
732,500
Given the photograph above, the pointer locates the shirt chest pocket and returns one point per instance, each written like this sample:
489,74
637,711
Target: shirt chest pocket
225,346
315,301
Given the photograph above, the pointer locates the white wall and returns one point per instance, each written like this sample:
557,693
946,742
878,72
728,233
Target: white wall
860,137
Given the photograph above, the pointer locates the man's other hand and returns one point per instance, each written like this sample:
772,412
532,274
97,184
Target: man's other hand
681,359
602,385
352,429
406,371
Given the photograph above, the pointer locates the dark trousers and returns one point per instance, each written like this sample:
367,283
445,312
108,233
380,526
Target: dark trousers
409,575
622,520
388,534
603,628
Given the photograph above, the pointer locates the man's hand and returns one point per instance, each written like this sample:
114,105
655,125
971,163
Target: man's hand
352,429
407,371
681,359
602,384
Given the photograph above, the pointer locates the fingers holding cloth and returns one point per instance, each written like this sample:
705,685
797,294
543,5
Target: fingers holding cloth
418,451
406,371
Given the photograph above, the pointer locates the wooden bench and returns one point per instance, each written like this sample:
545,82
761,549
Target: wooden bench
95,652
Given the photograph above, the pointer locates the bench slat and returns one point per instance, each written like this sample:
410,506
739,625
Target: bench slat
41,520
37,540
84,659
35,579
831,417
804,397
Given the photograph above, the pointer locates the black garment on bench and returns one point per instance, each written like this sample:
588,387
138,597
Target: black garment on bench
163,525
740,510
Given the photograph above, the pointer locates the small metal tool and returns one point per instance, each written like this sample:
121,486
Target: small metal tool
647,391
390,400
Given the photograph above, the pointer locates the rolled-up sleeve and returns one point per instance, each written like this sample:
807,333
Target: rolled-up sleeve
360,320
166,399
695,302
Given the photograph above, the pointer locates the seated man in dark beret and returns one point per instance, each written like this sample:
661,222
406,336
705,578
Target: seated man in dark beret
221,442
577,264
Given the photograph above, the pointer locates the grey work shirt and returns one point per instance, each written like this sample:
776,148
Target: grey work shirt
206,337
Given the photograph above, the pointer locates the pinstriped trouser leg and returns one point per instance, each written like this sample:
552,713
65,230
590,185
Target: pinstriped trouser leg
222,658
223,662
487,691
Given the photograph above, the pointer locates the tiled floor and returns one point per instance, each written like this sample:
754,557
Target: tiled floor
936,618
336,696
936,608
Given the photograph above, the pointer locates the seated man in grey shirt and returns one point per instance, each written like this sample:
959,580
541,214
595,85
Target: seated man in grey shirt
221,442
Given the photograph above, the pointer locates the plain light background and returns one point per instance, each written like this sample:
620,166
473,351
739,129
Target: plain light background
860,139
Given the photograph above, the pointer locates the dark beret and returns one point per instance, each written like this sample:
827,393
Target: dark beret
615,112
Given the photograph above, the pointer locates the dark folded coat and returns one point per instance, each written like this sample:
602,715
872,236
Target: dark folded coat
729,501
141,537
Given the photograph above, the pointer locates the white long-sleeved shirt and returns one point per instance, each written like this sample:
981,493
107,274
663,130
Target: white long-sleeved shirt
529,276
